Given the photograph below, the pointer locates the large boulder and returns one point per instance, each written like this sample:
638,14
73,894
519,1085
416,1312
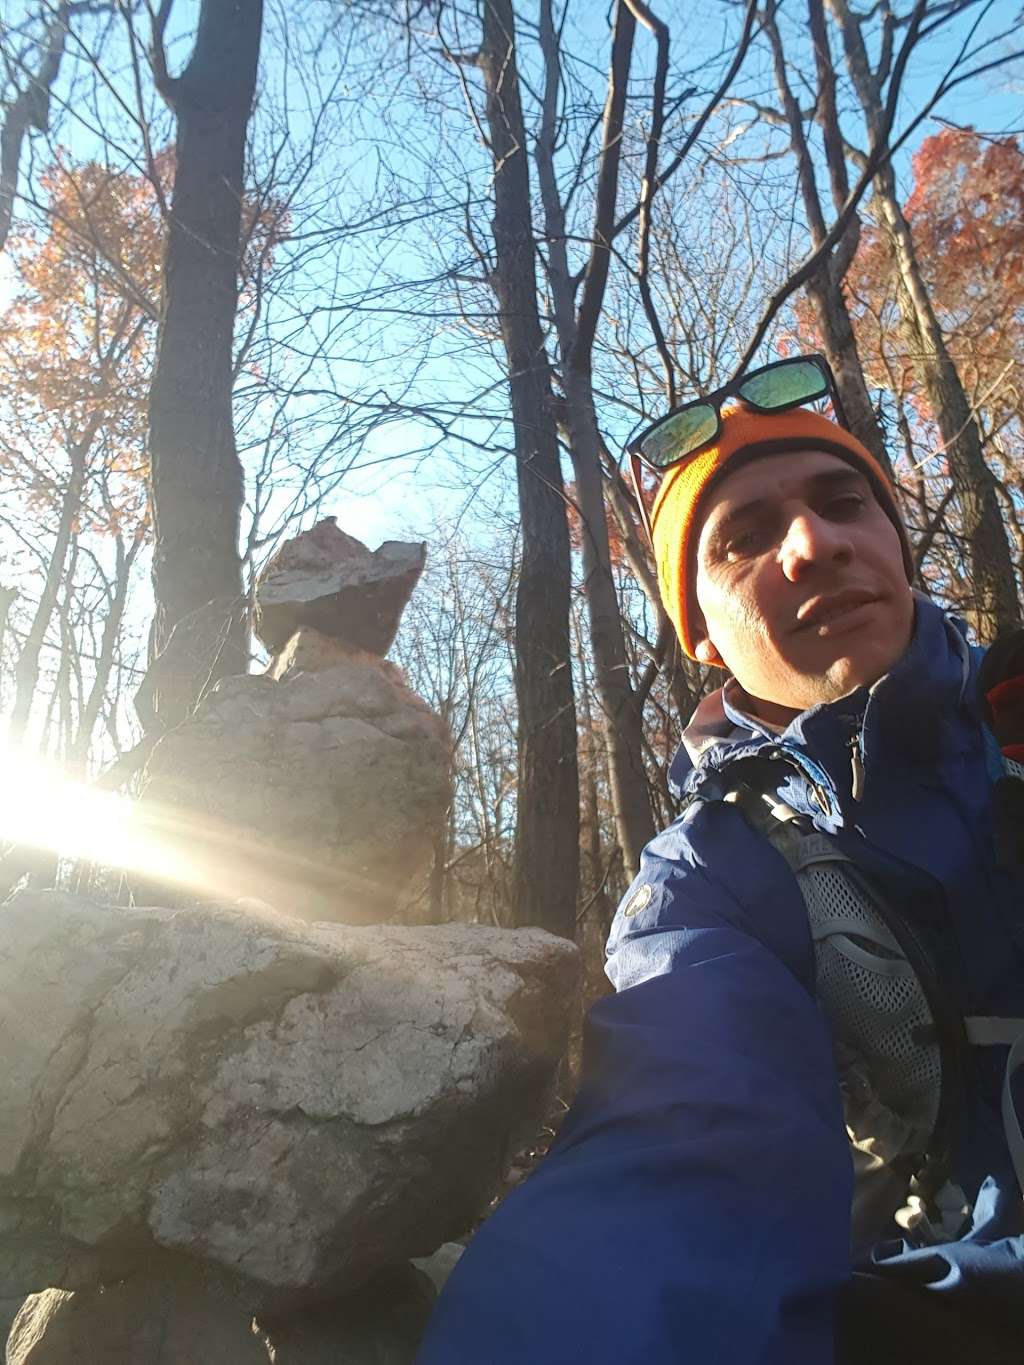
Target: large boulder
181,1316
294,1105
329,580
320,787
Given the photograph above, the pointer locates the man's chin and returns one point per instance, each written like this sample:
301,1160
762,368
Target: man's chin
818,681
862,668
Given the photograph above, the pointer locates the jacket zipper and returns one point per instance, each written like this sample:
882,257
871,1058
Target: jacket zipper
856,767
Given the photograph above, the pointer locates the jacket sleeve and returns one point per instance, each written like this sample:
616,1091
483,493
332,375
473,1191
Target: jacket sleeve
695,1207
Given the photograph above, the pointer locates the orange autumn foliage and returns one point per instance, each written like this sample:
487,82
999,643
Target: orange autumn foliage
77,342
966,212
967,215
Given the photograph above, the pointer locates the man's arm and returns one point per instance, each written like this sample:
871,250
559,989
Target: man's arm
696,1204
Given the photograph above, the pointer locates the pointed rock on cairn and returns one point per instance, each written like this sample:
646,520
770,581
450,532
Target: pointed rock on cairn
322,784
330,582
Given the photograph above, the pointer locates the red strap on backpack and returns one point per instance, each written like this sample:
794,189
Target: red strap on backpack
1001,686
1006,708
1001,683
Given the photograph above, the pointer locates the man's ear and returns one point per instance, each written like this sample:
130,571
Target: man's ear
707,653
703,647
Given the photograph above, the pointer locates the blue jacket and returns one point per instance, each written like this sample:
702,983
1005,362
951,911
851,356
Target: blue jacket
696,1204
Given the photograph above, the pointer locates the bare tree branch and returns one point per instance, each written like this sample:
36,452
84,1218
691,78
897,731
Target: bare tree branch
165,83
881,150
660,30
709,108
30,108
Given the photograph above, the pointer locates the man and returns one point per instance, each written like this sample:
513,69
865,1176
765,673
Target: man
697,1204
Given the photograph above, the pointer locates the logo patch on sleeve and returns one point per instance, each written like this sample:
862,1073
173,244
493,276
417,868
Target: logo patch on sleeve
639,900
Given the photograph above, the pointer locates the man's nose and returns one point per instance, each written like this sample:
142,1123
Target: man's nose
811,540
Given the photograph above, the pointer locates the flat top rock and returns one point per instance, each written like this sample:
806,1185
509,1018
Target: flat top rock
331,581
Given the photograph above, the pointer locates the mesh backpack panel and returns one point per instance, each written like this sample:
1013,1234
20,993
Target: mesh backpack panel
897,1051
873,998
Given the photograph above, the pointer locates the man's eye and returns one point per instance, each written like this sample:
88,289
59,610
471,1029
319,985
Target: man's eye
747,543
846,507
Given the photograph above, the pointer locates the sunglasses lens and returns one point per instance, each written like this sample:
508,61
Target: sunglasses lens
682,433
798,382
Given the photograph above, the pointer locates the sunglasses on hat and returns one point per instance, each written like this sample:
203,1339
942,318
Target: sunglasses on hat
692,427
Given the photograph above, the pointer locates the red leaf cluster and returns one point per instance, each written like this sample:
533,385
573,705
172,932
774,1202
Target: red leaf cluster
966,212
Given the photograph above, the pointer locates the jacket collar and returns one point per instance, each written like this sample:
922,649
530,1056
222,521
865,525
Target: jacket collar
911,718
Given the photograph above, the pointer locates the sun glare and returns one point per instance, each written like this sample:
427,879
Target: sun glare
41,807
197,850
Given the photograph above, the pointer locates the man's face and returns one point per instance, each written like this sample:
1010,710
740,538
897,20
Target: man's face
800,581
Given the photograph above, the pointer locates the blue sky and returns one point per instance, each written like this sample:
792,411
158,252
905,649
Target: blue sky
379,183
404,129
991,103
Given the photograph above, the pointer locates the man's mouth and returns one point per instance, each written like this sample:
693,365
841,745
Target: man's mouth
827,608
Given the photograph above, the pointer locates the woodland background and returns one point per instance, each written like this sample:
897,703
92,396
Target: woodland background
427,265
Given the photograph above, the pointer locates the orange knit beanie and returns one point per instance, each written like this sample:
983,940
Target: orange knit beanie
677,515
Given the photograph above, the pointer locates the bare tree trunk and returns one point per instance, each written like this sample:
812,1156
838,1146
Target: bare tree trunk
30,108
439,898
994,582
592,880
8,597
836,325
596,907
547,801
824,288
195,476
79,752
26,670
621,713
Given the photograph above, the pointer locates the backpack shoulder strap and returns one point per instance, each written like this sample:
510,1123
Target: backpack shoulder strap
897,1043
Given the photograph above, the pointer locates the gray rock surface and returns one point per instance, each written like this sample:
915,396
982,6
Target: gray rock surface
329,580
321,791
148,1319
295,1105
167,1316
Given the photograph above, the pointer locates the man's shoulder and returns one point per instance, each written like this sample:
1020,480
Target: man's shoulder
710,871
